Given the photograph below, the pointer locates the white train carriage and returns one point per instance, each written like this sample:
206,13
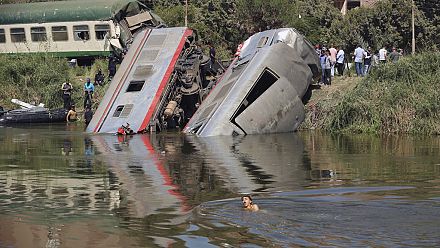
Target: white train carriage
67,39
74,29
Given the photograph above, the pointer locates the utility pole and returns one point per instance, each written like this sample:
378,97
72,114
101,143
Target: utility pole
186,13
413,29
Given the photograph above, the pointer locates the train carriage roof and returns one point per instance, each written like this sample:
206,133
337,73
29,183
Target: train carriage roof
63,11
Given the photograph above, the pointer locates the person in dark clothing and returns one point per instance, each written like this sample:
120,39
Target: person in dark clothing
111,67
67,94
327,68
99,78
88,115
367,61
211,56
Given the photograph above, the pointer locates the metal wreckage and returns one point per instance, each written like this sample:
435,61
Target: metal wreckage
165,82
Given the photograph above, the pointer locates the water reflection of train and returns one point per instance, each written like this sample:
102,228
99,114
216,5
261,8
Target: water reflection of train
137,168
75,29
242,164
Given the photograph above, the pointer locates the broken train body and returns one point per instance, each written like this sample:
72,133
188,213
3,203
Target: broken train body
262,91
158,84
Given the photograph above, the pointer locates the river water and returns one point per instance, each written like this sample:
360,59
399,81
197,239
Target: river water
61,187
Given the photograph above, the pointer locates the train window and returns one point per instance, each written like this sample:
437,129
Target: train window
59,33
264,82
81,32
38,34
101,31
18,35
262,42
2,36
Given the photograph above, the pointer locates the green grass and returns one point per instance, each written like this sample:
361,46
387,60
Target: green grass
37,78
395,98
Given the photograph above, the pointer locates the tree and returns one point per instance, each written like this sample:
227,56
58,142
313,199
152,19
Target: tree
388,23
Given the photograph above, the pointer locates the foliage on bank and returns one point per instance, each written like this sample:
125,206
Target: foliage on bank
394,98
31,78
37,78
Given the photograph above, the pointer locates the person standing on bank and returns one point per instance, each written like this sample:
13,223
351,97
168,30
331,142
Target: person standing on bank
333,53
67,94
327,68
358,60
340,62
383,55
367,61
394,55
89,88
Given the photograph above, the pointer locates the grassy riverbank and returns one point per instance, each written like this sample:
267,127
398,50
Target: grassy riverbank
394,98
38,78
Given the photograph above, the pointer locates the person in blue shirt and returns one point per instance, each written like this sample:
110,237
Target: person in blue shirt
89,88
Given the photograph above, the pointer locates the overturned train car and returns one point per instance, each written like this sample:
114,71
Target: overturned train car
159,84
262,90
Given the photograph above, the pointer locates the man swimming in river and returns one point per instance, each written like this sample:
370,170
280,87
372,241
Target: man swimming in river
248,204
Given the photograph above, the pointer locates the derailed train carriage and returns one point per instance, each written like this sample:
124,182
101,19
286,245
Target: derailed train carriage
160,83
263,89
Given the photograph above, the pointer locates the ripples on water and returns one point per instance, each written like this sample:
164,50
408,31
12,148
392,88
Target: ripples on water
60,187
342,217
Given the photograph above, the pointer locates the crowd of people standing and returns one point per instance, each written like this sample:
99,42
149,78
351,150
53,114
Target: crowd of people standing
334,59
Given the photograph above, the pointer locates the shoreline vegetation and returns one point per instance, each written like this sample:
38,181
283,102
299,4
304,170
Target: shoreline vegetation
37,78
395,98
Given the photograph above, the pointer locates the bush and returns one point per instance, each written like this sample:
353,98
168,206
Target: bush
394,98
35,78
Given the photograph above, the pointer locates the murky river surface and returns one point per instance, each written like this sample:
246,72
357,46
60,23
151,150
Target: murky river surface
60,187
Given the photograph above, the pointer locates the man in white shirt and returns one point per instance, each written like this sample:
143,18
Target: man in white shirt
340,56
358,60
382,55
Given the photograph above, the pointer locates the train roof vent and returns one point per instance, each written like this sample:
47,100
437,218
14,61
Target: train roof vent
156,40
149,55
142,72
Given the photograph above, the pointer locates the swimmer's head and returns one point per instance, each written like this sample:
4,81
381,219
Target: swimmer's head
246,200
